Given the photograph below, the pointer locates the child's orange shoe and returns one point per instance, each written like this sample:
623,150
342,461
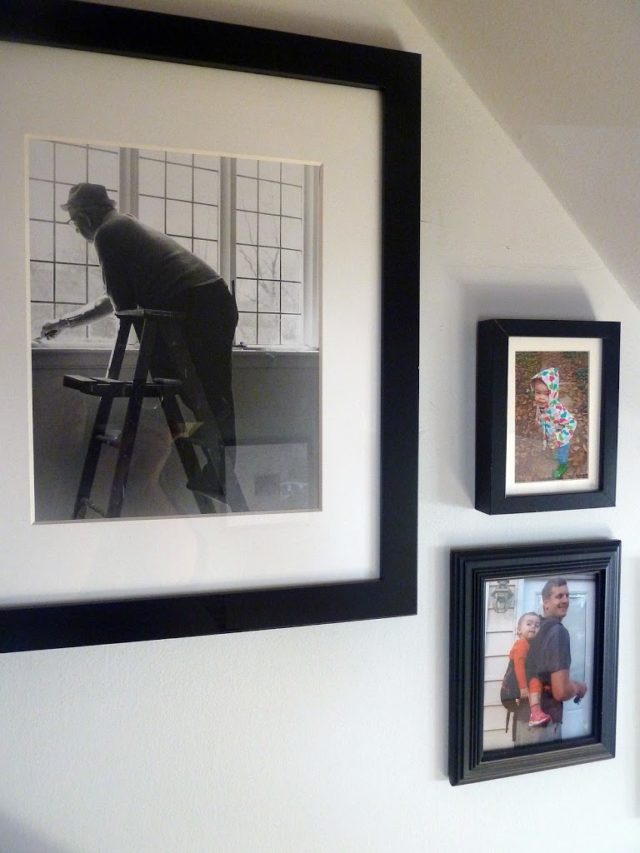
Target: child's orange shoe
538,717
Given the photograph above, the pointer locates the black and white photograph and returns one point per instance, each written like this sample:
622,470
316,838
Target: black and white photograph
220,411
215,340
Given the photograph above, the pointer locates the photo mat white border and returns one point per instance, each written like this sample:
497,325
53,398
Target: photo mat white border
138,558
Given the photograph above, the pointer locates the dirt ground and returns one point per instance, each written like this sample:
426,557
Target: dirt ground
532,462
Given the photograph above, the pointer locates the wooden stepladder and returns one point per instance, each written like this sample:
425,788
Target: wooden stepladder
148,324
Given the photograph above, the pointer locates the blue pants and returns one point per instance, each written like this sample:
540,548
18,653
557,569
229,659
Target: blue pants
562,454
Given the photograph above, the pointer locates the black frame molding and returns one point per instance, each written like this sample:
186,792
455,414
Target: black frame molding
470,570
491,415
396,75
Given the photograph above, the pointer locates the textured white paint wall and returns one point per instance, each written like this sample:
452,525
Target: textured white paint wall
333,738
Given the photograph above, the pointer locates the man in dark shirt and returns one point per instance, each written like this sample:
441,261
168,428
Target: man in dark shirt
549,659
143,268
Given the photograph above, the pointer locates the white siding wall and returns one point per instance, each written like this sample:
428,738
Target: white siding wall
500,635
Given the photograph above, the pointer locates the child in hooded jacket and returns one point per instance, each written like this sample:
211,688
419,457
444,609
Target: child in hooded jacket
556,422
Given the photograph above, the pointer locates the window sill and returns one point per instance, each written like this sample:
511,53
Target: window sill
82,356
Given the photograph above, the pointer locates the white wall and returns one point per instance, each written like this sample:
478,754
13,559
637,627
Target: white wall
333,738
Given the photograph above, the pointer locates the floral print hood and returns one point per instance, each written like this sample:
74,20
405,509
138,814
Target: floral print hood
557,423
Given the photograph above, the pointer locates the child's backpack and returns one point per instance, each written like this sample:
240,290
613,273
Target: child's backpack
509,694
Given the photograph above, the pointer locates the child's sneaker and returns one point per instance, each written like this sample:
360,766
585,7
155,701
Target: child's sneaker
560,471
538,717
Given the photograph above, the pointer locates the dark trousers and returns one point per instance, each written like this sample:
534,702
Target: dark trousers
209,326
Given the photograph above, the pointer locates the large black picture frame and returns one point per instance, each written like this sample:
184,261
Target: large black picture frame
396,75
492,418
471,571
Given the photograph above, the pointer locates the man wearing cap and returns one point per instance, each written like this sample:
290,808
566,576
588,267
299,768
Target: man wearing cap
143,268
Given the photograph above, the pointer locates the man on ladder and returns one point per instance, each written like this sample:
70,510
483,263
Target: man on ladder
143,268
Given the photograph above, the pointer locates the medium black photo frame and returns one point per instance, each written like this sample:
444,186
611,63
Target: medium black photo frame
498,489
489,580
396,76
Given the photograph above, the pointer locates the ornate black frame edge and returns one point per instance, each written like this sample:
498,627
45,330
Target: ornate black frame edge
491,373
469,568
397,76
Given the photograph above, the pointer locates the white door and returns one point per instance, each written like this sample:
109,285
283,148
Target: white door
579,622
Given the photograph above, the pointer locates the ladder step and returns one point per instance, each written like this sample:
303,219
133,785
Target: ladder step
207,482
150,314
167,386
112,439
87,504
206,435
102,386
96,387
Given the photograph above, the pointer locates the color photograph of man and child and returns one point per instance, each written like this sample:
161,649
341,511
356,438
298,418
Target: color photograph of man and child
551,416
538,660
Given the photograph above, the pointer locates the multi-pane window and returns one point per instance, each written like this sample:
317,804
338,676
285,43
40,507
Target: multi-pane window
269,251
179,195
64,268
251,220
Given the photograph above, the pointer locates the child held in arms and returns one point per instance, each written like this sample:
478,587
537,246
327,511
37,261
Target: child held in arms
557,424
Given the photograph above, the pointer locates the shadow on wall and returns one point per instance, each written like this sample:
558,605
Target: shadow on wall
361,30
523,299
634,643
18,838
440,615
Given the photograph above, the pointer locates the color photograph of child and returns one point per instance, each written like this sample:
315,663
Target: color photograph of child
552,416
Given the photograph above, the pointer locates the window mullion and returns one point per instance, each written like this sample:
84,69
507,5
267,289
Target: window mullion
311,258
128,202
227,218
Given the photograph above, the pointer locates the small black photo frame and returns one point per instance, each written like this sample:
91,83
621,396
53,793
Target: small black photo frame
546,415
147,578
530,609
